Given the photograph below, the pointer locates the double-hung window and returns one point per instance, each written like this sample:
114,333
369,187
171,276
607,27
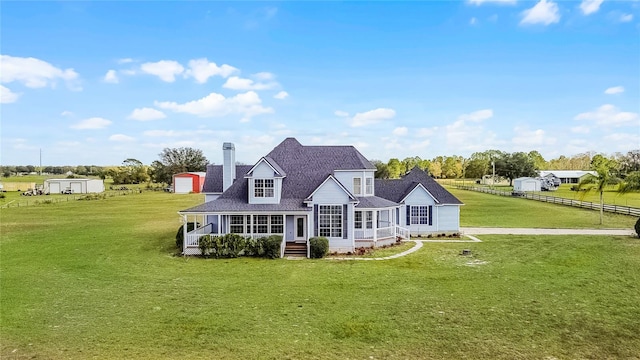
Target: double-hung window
330,220
357,186
363,219
263,187
419,215
369,186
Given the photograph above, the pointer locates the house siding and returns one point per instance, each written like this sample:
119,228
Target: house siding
422,198
448,218
330,193
346,179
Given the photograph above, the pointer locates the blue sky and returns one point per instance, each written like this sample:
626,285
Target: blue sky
100,82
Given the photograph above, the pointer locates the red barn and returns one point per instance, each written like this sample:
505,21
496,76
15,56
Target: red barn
188,182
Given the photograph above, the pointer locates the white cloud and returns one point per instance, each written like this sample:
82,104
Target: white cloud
423,132
480,2
372,117
92,124
7,96
589,7
419,145
146,114
609,115
281,95
614,90
623,141
35,73
473,21
580,129
264,76
124,61
341,113
111,77
626,17
166,70
201,70
477,116
121,138
66,113
237,83
525,138
544,12
246,104
174,133
400,131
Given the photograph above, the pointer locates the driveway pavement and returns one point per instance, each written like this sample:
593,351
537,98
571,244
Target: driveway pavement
534,231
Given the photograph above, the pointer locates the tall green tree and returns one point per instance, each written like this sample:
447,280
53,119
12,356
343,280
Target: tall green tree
515,165
382,170
178,160
598,183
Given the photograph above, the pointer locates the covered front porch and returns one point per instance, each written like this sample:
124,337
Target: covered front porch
374,227
293,227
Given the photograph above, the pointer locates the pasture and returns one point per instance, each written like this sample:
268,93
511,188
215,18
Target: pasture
100,278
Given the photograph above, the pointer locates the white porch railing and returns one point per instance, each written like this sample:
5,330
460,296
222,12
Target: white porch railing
385,232
192,238
363,234
402,232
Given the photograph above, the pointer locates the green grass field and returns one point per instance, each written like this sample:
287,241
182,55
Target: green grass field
610,195
99,279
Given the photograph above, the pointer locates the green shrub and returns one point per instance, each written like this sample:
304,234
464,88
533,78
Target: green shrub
180,233
271,246
253,247
637,227
232,245
319,247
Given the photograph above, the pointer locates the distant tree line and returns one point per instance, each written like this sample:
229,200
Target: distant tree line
507,165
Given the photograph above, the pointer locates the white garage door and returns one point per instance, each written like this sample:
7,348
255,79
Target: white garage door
182,185
76,187
54,188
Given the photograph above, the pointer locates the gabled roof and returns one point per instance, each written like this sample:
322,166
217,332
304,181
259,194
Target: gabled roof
306,168
213,179
331,177
397,189
271,163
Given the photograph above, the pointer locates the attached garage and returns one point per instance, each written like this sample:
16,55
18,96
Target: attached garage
189,182
75,186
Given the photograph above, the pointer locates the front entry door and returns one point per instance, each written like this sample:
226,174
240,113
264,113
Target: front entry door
300,228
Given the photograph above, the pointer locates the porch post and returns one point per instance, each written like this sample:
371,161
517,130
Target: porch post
219,225
375,227
185,222
251,226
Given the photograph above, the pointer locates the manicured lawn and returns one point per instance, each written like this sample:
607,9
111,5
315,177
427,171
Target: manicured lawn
89,279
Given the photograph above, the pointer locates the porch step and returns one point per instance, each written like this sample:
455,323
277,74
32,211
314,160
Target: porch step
295,249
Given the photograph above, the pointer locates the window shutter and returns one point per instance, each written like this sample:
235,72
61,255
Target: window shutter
345,223
430,216
408,214
315,219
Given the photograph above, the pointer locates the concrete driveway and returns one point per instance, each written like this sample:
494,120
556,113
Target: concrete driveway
535,231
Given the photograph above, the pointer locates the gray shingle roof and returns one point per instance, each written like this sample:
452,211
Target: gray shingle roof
374,202
398,189
213,179
237,205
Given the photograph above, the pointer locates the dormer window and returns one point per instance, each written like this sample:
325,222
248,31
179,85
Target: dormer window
263,188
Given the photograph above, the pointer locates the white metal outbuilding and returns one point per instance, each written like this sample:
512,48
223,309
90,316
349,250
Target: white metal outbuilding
527,184
75,186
